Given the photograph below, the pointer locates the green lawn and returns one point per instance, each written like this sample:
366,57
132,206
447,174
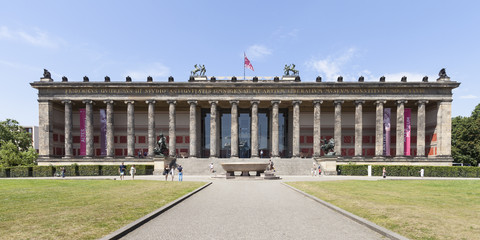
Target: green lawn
424,209
79,209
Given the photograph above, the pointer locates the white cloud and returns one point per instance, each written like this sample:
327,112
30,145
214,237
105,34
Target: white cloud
155,70
36,38
470,96
258,51
331,66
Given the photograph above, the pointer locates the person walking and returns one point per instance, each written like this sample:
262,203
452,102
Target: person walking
314,169
166,171
422,172
180,173
172,172
384,172
62,170
133,171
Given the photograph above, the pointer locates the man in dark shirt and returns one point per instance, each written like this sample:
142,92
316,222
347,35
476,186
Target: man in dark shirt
180,173
122,170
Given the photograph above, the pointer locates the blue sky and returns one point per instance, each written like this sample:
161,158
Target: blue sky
161,39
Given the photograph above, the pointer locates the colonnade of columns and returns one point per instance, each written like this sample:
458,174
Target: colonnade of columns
379,105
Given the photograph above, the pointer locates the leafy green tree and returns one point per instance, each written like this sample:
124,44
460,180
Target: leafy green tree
466,138
15,145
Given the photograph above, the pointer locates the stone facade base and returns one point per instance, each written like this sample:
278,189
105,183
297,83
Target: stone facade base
283,166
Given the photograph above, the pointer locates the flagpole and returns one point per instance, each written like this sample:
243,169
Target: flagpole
244,65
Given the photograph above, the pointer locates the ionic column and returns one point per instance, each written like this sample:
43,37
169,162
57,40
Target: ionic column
234,129
213,128
130,128
110,142
89,128
151,127
296,128
275,128
338,127
358,127
421,128
444,128
172,143
317,128
68,128
379,128
193,128
45,135
400,151
254,130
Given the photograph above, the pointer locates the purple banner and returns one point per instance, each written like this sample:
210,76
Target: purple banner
83,136
103,132
407,124
386,131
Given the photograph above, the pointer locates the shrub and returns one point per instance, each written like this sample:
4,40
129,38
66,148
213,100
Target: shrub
109,170
409,171
89,170
43,171
21,172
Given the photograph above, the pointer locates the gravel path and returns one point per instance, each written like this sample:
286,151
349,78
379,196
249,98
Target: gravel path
251,210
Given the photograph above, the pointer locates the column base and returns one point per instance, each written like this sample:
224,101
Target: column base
379,158
67,157
358,158
400,158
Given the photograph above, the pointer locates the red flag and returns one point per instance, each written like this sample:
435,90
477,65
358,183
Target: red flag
247,63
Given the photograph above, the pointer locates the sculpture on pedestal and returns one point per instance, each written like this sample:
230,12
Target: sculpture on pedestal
442,73
199,70
161,148
46,74
328,147
291,68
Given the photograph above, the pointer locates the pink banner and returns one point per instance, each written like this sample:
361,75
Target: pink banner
386,131
83,136
407,124
103,132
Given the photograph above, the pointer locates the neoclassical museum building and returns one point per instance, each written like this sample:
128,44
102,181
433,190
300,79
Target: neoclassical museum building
208,120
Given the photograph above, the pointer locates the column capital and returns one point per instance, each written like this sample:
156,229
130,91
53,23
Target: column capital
87,101
253,102
276,102
357,102
421,102
401,102
234,102
295,102
338,102
130,102
172,102
380,102
108,101
192,102
67,101
315,102
213,102
150,102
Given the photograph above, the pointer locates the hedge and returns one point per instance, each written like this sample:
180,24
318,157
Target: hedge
71,170
409,171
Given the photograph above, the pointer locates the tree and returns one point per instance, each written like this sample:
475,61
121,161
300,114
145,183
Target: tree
466,138
15,145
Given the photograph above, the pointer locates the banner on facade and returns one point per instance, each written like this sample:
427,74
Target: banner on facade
407,124
83,135
103,132
386,131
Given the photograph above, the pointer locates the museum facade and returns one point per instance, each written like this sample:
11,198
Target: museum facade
208,120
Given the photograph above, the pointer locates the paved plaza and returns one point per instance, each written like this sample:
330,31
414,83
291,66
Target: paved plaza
251,209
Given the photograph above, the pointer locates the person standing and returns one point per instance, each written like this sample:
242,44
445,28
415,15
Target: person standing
133,171
122,170
172,172
62,169
384,172
180,173
166,170
422,172
314,169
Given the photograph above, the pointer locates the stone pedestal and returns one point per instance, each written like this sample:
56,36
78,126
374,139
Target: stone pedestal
328,165
158,165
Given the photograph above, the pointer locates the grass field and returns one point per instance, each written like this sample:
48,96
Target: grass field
423,209
79,209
